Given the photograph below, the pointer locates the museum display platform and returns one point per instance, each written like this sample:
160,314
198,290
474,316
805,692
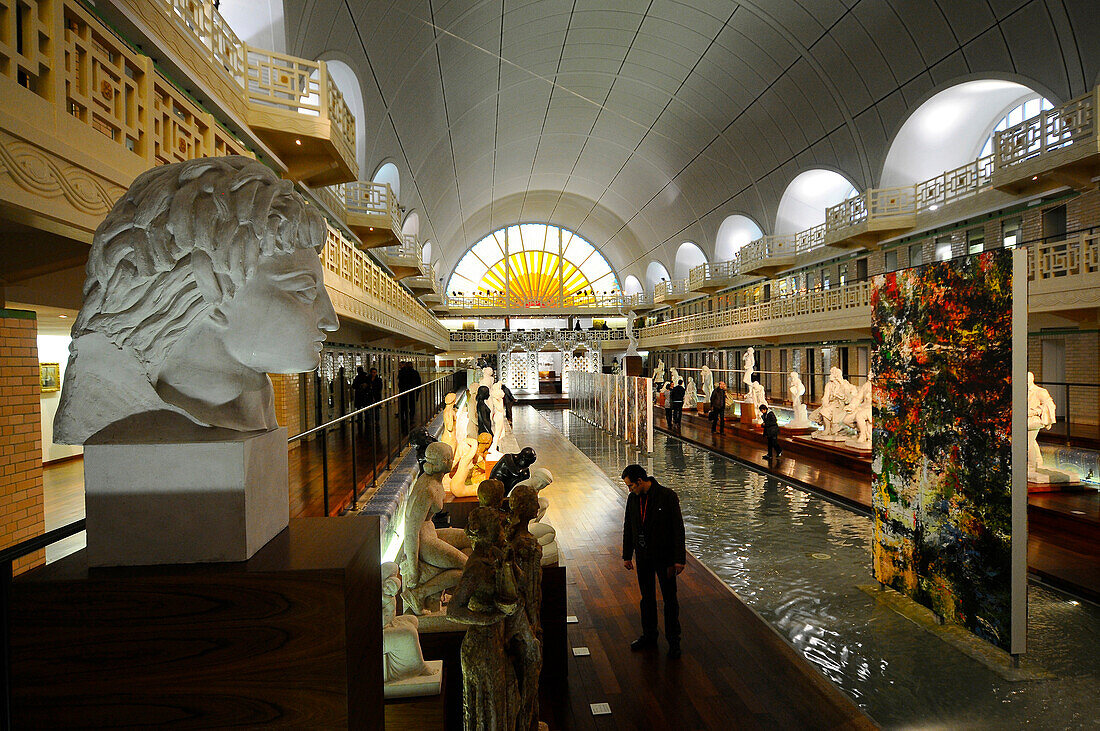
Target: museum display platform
1064,526
275,641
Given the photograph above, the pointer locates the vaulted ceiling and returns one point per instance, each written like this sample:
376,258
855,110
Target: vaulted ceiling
642,124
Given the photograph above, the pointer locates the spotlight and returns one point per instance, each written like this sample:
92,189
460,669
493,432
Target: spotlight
297,142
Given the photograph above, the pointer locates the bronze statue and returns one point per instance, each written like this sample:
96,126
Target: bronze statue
514,468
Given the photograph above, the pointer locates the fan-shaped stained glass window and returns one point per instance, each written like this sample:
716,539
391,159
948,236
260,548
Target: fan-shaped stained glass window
533,265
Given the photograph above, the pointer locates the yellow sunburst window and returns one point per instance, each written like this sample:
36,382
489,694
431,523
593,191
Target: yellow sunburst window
533,265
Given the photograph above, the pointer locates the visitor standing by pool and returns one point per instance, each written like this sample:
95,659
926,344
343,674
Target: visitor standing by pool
653,535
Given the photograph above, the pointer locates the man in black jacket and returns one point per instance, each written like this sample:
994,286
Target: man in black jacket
677,399
771,431
653,534
407,379
718,408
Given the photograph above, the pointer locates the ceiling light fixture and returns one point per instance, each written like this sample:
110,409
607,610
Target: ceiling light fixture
297,142
1034,177
62,315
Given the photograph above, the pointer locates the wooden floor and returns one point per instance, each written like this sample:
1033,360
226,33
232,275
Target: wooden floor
736,672
1064,528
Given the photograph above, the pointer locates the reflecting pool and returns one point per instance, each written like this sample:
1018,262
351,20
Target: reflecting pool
799,560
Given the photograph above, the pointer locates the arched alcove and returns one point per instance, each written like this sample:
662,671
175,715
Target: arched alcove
807,196
735,232
687,256
412,224
631,285
348,83
388,174
258,23
655,273
426,253
951,128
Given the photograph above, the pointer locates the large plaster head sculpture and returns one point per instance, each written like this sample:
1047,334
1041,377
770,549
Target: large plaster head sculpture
203,278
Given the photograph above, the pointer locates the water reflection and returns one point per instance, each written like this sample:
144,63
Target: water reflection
799,561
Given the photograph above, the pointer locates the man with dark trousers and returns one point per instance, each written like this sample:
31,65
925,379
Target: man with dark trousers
677,400
653,535
718,408
771,431
407,379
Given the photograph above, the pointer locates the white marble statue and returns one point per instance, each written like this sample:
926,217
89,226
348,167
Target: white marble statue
708,383
673,376
462,432
834,402
797,390
857,415
691,395
496,407
540,478
486,378
202,279
659,372
758,398
1041,414
404,670
748,363
431,559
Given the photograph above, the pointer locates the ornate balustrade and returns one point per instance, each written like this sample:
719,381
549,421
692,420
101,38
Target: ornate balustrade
870,217
610,302
84,114
767,255
370,210
511,338
668,292
1058,146
832,310
361,290
639,302
713,276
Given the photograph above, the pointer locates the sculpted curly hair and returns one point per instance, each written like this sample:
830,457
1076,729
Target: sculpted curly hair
181,241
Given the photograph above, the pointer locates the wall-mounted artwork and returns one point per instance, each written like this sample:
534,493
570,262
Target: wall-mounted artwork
942,490
49,377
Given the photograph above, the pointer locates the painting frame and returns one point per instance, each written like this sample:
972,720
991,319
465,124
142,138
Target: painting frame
49,377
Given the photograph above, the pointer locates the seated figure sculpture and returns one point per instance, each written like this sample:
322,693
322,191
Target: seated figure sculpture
857,415
758,398
691,395
471,469
834,402
431,562
514,468
202,279
1041,414
402,658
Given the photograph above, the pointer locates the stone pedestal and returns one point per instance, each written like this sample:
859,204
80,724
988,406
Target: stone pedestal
632,365
791,431
748,415
418,685
858,445
209,495
1043,479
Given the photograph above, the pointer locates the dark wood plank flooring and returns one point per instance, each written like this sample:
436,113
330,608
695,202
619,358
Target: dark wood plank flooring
1064,527
736,672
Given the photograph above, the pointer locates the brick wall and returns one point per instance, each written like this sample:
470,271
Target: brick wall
21,509
287,402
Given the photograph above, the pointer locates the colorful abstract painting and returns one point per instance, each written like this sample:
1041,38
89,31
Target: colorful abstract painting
942,413
631,412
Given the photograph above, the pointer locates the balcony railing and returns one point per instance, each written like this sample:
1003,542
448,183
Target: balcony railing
572,336
1076,255
712,275
959,184
598,301
1058,146
851,297
638,301
870,217
673,291
385,302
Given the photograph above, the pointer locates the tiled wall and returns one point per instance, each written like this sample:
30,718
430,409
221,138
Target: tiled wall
21,507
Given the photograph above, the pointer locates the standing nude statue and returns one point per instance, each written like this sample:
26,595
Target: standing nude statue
748,362
797,390
431,560
449,423
708,383
691,396
858,414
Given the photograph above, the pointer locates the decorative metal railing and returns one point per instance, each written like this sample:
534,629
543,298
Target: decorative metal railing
1078,254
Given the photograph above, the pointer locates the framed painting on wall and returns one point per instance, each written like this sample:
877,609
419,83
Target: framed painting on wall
49,377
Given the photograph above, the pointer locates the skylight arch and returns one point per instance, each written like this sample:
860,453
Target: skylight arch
533,265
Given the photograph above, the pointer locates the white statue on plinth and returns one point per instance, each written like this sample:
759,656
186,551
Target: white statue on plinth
1041,414
659,373
797,390
691,396
404,671
202,279
748,362
857,415
673,376
708,383
431,559
758,398
486,378
834,402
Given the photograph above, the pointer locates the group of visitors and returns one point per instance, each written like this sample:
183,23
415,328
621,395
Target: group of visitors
366,390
